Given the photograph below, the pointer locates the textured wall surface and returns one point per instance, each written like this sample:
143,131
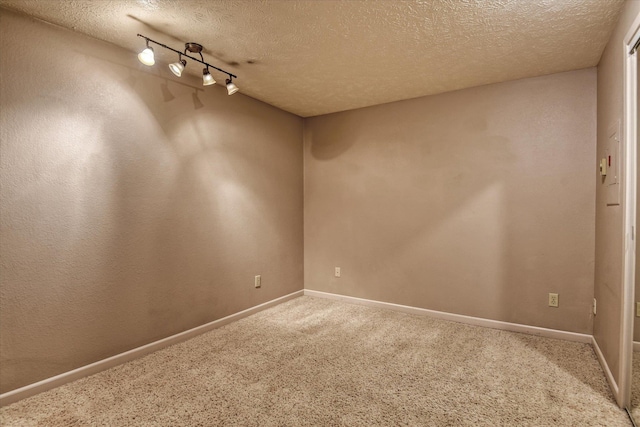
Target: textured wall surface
318,57
609,227
478,202
133,207
636,323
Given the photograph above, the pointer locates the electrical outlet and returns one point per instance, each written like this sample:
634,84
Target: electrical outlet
257,282
553,300
595,305
337,273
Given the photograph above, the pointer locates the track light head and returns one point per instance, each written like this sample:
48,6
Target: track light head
231,87
146,56
178,67
207,78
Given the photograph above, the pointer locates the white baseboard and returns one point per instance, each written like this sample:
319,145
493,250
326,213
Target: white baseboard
101,365
478,321
605,367
636,346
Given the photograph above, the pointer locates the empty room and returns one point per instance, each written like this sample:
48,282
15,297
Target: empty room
319,213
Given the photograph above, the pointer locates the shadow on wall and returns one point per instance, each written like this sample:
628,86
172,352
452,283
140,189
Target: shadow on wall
134,205
453,202
204,198
327,142
411,205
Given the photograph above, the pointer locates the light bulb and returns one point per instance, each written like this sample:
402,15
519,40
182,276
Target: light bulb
147,57
231,87
207,78
177,67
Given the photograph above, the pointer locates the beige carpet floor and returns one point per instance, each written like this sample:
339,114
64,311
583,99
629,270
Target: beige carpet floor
635,388
317,362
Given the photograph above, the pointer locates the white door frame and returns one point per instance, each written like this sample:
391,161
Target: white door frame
630,119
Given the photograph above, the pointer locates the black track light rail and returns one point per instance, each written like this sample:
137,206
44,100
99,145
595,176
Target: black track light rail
188,56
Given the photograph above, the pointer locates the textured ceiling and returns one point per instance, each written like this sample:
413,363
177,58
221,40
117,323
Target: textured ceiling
317,57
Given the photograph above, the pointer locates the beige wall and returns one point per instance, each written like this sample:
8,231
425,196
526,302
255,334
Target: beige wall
636,323
478,202
609,228
133,206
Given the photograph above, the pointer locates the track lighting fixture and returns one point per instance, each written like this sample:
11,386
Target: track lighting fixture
231,87
178,67
147,58
207,78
